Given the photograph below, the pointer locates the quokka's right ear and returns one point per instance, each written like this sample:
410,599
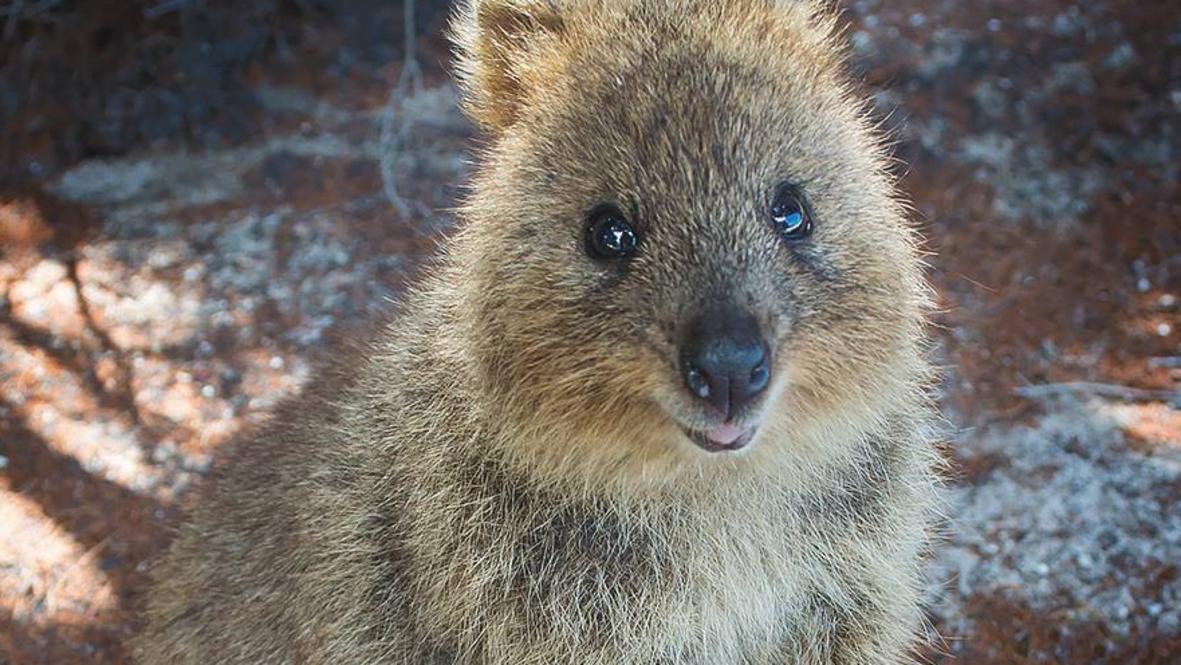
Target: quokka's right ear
500,49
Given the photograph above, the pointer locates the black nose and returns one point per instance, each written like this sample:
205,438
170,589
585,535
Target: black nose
725,360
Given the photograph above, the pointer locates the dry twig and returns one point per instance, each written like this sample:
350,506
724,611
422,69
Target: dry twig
1113,391
394,136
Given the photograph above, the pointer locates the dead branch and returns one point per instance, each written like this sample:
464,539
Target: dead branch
1113,391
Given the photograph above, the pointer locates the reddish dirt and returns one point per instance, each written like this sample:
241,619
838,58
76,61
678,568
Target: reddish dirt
1011,633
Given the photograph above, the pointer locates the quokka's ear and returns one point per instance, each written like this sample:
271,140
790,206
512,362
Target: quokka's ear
499,46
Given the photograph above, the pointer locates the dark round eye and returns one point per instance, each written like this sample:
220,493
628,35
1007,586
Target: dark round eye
609,236
789,214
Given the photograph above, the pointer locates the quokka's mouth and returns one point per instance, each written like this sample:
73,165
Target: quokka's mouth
723,438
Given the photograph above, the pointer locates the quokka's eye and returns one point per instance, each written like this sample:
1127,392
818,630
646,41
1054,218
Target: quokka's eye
789,213
609,236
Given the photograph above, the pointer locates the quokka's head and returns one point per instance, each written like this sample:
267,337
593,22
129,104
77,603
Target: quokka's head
684,248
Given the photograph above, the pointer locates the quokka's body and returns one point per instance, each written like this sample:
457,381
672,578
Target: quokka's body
662,400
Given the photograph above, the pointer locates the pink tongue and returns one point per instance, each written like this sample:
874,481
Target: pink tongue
725,434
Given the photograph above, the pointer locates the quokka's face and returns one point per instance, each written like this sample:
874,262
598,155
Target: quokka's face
688,237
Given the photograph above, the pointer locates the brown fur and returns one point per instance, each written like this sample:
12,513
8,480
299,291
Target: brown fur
501,478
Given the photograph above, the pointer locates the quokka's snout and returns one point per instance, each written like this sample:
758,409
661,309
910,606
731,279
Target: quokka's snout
727,365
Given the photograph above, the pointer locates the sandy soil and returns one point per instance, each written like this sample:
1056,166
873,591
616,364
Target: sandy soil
159,292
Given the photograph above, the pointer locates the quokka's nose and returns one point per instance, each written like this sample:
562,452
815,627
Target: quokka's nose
725,360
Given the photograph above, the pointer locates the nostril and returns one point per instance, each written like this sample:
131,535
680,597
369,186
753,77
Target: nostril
697,381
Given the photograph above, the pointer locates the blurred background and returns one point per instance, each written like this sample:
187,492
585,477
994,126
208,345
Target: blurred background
198,197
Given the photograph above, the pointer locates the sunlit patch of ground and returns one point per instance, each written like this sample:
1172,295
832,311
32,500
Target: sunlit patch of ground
45,571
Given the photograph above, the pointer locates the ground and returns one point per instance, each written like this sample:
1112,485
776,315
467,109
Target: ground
179,245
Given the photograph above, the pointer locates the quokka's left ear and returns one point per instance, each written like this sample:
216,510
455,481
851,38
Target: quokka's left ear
500,46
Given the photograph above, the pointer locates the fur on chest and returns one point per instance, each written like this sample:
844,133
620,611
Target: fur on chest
512,572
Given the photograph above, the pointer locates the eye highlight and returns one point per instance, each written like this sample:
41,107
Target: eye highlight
789,214
609,236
